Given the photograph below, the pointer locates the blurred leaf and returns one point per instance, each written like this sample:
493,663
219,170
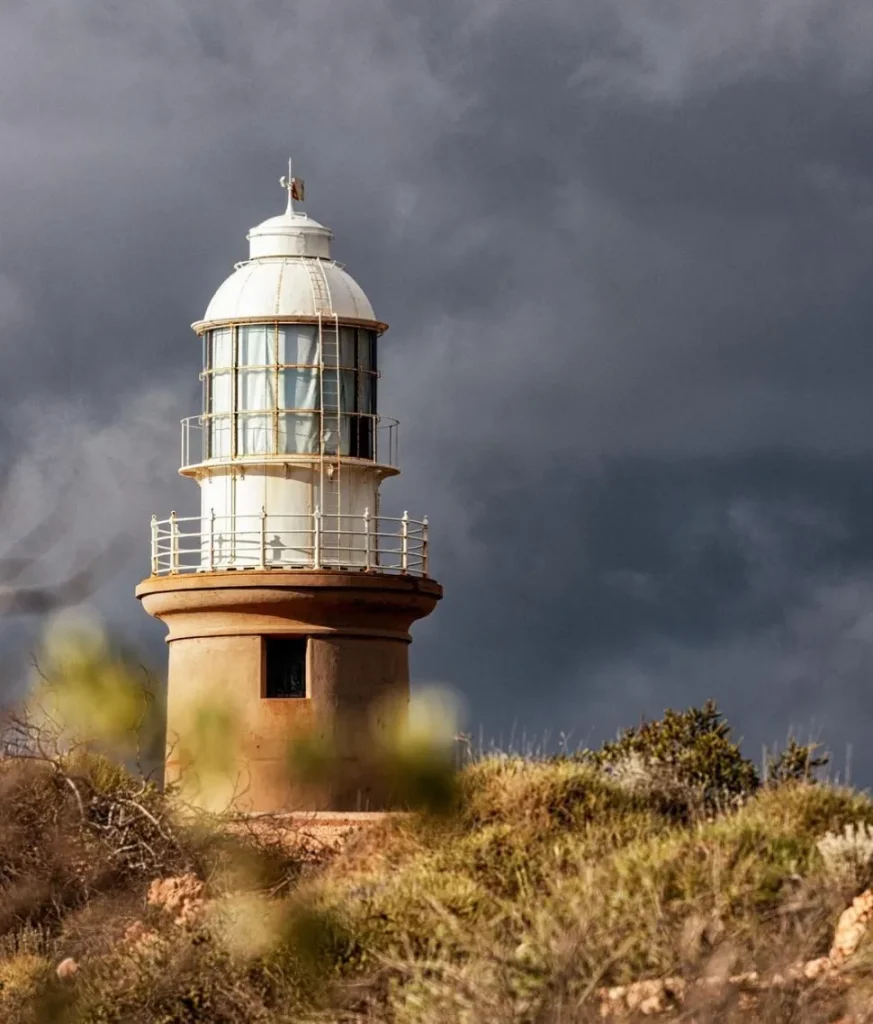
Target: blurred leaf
94,693
208,751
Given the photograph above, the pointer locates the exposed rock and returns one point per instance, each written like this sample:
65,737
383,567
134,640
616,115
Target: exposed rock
183,896
645,997
655,996
67,969
813,969
852,927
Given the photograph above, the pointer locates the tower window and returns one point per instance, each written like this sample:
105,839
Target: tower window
285,667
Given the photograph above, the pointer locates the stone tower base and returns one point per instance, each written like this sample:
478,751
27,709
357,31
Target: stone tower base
356,626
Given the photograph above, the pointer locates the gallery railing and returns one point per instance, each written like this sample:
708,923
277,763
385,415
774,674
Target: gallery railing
367,543
253,435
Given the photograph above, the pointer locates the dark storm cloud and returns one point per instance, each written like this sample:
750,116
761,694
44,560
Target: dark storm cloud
625,254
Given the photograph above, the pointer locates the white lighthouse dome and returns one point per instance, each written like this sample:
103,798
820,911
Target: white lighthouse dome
290,287
289,273
291,234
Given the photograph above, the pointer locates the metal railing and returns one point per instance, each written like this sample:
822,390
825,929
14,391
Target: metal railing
254,435
361,543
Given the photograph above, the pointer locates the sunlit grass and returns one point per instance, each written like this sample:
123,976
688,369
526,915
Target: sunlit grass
510,890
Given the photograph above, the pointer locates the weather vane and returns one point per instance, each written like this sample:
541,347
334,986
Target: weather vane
293,186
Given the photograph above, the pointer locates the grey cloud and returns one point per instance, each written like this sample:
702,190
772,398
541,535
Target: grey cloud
625,254
101,475
682,47
800,675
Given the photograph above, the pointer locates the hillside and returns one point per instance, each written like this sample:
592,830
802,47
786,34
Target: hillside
659,877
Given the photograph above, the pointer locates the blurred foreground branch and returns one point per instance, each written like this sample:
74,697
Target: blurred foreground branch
128,814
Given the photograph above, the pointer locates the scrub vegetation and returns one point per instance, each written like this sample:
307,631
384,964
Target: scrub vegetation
663,876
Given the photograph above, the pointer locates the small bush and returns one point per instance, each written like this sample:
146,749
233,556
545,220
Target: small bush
848,852
798,762
688,757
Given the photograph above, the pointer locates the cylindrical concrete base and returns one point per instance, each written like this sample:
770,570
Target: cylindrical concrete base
357,675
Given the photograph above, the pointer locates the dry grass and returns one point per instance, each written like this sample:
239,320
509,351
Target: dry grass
521,891
512,912
548,882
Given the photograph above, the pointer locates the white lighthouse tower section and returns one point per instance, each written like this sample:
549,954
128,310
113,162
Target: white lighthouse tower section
290,450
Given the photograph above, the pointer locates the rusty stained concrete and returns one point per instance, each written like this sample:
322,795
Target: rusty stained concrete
357,666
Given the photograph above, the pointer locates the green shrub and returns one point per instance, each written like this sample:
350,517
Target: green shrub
687,757
798,762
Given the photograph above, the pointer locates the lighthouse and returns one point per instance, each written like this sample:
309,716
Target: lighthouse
289,598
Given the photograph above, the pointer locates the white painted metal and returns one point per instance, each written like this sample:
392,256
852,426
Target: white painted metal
291,234
285,254
282,287
229,543
293,482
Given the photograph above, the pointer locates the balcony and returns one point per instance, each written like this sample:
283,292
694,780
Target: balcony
364,543
267,437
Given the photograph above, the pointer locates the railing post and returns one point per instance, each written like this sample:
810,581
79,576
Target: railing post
316,538
404,543
367,538
174,543
154,545
263,564
424,538
211,539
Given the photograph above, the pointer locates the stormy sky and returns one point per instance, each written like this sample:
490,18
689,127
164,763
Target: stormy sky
625,250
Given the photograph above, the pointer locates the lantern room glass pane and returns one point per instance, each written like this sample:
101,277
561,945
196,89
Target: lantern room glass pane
367,393
348,345
348,391
366,350
257,345
255,389
360,437
298,389
298,433
255,392
254,434
222,349
298,345
219,437
220,393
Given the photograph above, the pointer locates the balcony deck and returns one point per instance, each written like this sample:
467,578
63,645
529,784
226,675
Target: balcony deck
365,543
